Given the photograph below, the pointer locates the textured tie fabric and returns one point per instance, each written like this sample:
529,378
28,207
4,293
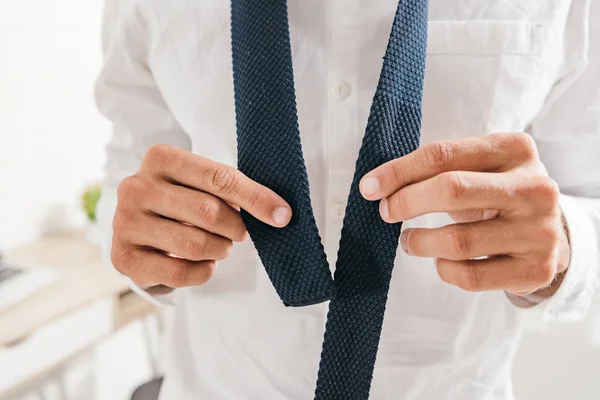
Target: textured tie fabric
269,151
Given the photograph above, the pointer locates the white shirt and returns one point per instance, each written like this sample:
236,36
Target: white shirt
492,66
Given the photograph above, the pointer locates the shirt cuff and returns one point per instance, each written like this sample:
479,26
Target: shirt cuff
573,298
165,299
105,211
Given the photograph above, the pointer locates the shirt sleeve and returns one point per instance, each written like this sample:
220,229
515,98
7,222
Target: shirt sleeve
567,133
127,94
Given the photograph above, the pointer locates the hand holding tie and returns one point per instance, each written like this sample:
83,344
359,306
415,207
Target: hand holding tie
505,205
182,204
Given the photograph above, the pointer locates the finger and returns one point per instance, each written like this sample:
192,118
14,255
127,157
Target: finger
188,242
451,192
497,273
471,240
197,208
150,267
490,153
472,215
221,180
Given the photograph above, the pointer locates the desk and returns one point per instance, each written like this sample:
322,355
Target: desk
83,281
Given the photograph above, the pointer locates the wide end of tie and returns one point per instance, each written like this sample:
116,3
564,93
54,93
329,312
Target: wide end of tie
294,259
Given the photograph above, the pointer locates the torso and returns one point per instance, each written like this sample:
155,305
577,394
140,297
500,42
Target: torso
490,67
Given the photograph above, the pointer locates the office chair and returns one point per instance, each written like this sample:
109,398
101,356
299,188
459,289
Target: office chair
148,391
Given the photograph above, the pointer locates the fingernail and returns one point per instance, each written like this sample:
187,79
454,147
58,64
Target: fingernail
282,216
369,186
384,209
246,237
404,240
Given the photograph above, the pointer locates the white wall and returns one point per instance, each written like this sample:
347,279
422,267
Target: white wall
51,146
51,136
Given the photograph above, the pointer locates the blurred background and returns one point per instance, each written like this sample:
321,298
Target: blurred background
69,327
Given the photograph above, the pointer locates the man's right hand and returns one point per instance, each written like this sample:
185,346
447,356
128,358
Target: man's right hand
179,214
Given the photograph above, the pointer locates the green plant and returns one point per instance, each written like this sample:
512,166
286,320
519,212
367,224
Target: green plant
89,200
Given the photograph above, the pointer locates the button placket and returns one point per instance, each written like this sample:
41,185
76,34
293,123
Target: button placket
338,210
342,136
341,90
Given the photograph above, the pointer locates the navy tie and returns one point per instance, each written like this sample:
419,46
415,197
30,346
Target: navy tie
270,152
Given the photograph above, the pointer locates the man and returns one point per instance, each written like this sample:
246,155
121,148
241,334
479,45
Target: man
501,204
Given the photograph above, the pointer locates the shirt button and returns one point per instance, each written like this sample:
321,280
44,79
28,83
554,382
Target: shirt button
341,90
339,210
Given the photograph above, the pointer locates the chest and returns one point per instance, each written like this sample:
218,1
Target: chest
490,65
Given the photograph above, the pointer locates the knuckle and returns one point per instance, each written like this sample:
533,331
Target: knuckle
257,198
239,232
177,275
549,233
544,272
158,155
208,269
130,188
540,189
224,180
208,211
460,242
137,192
123,259
442,270
193,246
470,279
456,185
524,144
465,277
398,207
122,222
546,191
116,258
228,247
437,155
398,173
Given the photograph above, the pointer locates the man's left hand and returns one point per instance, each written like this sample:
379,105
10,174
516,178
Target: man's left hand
509,233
